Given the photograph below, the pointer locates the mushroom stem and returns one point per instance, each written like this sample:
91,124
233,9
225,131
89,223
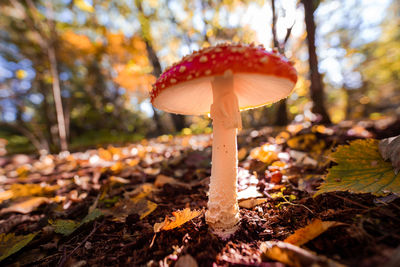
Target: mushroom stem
223,210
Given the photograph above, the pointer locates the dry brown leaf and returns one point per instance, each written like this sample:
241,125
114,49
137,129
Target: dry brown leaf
311,231
26,206
292,255
136,205
251,203
186,261
161,180
180,217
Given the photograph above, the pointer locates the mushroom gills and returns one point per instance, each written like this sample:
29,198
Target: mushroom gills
196,96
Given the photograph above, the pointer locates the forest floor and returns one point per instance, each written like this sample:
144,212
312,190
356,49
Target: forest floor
109,206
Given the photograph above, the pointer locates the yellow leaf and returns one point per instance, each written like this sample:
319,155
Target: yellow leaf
311,231
265,153
302,142
23,171
360,169
282,137
105,154
292,255
251,203
26,190
116,167
242,153
84,6
180,217
26,206
136,205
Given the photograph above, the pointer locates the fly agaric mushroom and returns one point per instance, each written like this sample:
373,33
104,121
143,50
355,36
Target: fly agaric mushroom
222,81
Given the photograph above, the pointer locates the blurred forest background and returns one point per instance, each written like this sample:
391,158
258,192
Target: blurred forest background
76,73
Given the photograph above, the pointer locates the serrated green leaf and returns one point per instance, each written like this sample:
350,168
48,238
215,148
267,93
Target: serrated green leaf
67,227
360,169
10,243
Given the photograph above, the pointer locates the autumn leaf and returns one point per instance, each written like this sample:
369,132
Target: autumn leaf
10,243
26,190
251,203
292,255
67,227
26,206
390,150
161,180
360,169
306,142
265,153
180,217
136,205
311,231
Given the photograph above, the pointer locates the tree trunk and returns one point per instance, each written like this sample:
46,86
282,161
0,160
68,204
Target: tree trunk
57,99
317,88
281,118
178,120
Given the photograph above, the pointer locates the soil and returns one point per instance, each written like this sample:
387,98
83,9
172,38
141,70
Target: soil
369,235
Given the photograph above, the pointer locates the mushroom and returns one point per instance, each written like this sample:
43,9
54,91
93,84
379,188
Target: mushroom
223,80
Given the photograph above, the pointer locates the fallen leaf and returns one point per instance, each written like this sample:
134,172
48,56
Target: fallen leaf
117,167
135,205
152,171
306,142
250,192
26,206
10,243
265,154
180,217
64,227
67,227
311,231
161,180
186,261
390,150
242,153
118,180
251,203
360,169
293,255
26,190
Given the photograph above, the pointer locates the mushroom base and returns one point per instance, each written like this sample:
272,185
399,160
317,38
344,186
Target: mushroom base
223,210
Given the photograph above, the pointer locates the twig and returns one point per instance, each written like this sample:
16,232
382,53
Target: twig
295,204
65,257
351,201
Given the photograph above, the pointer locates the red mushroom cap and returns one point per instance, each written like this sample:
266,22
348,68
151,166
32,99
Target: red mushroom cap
260,78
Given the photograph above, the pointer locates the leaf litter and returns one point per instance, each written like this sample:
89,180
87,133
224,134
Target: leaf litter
103,206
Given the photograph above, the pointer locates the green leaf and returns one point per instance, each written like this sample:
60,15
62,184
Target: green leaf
10,243
360,169
67,227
